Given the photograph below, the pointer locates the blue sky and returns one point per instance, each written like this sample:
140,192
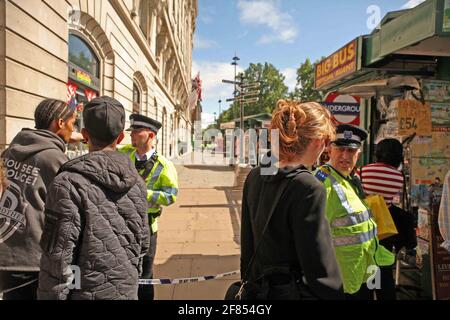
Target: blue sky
281,32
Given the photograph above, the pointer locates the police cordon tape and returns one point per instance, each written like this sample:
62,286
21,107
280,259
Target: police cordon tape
159,281
186,280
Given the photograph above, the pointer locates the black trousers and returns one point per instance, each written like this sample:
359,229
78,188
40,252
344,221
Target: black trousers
11,279
387,290
147,292
364,293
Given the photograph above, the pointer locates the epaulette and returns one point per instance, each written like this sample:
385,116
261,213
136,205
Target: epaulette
322,174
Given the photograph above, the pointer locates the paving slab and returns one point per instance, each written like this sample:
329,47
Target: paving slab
199,234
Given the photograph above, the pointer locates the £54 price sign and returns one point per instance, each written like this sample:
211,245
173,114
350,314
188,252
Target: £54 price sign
414,117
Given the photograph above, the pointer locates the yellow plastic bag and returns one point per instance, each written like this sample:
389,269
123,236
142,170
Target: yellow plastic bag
382,216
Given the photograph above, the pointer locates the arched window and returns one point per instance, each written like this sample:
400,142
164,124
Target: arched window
81,55
136,98
83,84
84,74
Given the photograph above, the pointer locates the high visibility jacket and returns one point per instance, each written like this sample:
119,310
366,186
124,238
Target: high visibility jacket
162,184
353,230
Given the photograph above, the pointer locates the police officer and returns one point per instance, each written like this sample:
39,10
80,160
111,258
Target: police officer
161,179
353,229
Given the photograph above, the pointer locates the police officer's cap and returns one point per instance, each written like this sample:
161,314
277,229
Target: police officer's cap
139,121
349,136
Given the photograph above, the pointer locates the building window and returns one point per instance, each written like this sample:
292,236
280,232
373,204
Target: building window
144,18
136,98
83,84
81,55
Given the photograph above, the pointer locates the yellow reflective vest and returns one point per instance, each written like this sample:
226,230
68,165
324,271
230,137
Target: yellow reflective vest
353,230
162,184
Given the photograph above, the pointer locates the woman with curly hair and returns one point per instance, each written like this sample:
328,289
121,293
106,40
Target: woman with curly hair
293,257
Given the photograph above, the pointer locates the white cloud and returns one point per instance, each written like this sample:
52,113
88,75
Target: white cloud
290,77
202,43
207,119
412,3
206,19
267,13
207,14
212,74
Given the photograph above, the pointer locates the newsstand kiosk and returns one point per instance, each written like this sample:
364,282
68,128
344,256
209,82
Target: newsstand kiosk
401,72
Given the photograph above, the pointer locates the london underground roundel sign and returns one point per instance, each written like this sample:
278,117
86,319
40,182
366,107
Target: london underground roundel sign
344,108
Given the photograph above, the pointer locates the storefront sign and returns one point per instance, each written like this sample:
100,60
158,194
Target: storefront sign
413,117
437,91
446,20
338,65
227,125
344,108
84,77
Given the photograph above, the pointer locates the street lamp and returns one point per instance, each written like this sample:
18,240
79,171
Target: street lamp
235,64
215,119
220,111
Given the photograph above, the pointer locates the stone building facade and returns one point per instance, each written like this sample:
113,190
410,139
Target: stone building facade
137,51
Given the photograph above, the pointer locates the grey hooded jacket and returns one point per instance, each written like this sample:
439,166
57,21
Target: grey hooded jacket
96,229
32,161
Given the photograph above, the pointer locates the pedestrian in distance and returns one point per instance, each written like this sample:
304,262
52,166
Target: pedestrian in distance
96,225
161,179
31,162
286,247
353,229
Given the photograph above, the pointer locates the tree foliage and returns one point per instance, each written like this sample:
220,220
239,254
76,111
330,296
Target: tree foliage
272,89
305,90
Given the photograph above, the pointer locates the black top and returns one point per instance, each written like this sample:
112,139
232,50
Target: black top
298,234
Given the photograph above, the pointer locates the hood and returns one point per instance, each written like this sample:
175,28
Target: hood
29,142
110,169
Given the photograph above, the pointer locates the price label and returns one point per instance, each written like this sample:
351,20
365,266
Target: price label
414,117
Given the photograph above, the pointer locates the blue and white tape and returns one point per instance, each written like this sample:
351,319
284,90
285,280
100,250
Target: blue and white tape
186,280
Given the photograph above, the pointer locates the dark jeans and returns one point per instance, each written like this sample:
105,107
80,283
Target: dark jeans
364,293
387,290
11,279
147,292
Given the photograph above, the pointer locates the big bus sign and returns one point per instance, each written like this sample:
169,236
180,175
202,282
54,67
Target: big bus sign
340,64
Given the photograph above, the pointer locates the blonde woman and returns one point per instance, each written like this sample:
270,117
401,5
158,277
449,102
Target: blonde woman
293,257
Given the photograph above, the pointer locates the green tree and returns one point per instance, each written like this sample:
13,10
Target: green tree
272,89
305,90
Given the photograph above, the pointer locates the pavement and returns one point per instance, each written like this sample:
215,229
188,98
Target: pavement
199,234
